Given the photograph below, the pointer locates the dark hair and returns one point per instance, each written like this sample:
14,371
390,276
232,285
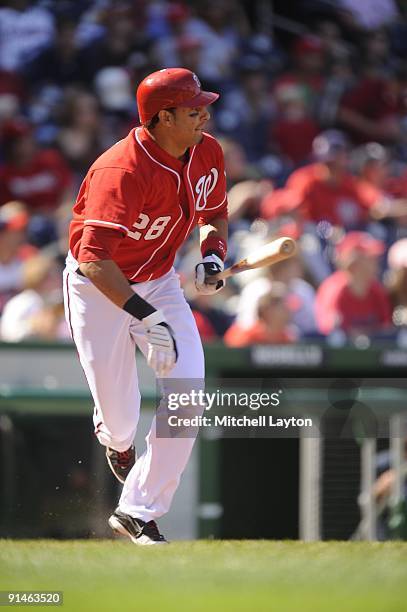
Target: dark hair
153,122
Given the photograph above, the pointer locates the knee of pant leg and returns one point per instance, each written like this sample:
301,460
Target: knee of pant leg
117,424
118,442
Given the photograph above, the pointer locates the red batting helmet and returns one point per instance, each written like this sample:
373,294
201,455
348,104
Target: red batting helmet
170,88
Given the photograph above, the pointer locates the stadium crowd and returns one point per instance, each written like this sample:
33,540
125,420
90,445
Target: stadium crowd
313,123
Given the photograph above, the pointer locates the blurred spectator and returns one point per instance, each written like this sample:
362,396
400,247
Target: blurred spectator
25,28
166,47
12,94
325,191
39,178
246,188
13,224
293,119
205,327
114,90
113,87
212,320
372,110
237,167
122,39
376,57
279,203
189,50
244,200
218,26
308,62
272,323
91,20
353,299
82,130
340,79
300,293
329,34
246,111
368,14
36,312
60,63
397,281
371,163
397,185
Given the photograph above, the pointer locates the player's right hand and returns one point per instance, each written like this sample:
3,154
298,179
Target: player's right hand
204,272
162,349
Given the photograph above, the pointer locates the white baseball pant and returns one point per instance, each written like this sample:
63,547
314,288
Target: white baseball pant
105,337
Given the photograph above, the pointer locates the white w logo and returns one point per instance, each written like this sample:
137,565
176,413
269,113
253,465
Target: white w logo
204,187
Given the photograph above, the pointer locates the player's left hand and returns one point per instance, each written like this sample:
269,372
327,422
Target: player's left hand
207,268
162,348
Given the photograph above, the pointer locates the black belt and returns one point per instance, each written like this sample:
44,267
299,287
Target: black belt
78,271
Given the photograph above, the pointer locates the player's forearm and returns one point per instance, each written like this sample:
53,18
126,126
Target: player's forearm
217,228
109,279
213,233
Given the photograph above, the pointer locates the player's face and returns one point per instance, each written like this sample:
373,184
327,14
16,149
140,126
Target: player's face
188,125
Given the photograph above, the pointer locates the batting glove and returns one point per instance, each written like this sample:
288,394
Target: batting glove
209,266
162,349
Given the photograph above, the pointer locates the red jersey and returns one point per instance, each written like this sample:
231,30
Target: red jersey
152,199
39,184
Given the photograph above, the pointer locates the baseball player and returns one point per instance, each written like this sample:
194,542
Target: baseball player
137,205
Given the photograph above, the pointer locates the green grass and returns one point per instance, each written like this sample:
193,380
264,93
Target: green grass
211,575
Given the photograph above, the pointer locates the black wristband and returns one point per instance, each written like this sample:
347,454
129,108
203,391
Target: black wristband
138,307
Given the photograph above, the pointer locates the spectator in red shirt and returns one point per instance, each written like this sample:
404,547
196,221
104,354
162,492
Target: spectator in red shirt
353,299
39,178
272,325
372,110
325,191
293,119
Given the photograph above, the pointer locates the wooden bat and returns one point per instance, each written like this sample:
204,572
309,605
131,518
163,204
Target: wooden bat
267,255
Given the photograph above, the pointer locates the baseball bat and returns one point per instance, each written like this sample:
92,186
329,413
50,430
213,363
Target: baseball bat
267,255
